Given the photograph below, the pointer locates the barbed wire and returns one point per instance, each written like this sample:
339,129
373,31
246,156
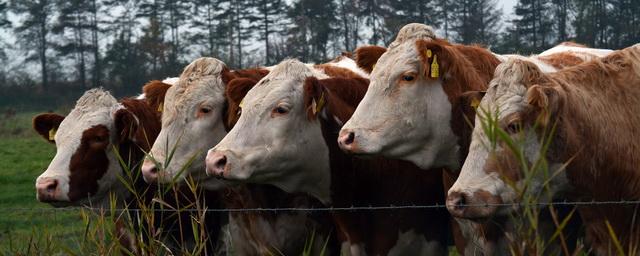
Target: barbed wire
329,209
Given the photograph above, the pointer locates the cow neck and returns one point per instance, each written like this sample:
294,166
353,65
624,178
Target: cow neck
476,66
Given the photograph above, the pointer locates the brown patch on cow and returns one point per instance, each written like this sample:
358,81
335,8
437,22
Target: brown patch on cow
235,92
374,182
139,123
44,123
367,56
251,73
154,92
333,71
596,128
505,163
338,95
561,60
88,163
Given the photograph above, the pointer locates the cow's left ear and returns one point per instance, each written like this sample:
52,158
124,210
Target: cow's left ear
435,57
235,92
47,125
126,125
314,97
469,102
544,102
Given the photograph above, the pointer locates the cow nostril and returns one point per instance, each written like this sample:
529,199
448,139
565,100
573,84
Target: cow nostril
220,164
52,187
153,170
461,203
350,138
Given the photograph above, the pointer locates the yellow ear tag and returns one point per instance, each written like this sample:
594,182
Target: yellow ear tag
435,72
241,103
373,66
319,105
160,106
475,103
52,134
428,53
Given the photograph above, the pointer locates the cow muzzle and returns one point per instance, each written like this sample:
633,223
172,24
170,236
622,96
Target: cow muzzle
216,163
48,190
476,206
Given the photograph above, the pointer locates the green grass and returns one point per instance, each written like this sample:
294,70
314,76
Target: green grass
24,228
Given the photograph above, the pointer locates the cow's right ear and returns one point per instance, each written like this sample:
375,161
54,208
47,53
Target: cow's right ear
367,56
544,102
235,92
314,97
468,103
47,125
154,92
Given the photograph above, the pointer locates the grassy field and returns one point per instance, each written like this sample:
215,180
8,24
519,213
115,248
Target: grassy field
28,227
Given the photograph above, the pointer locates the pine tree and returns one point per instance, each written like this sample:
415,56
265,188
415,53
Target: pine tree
475,21
533,24
401,12
33,31
208,20
269,21
313,26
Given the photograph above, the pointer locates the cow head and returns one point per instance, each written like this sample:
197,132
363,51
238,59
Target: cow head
273,141
85,167
506,155
406,111
192,116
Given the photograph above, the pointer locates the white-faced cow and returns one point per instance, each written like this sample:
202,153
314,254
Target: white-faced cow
86,169
286,136
586,118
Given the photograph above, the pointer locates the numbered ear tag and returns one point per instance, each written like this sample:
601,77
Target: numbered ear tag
319,105
160,106
52,134
435,68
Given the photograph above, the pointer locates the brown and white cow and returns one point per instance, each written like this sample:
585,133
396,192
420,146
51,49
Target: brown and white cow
86,169
416,108
585,118
286,137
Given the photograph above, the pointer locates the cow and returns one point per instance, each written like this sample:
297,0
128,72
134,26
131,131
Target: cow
286,136
417,106
552,117
187,131
91,141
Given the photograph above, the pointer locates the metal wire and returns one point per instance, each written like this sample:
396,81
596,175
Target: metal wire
325,209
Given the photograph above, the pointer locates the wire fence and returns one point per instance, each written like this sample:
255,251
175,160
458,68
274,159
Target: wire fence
329,209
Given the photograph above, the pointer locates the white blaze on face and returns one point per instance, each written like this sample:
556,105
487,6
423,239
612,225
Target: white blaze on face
95,108
404,120
192,122
505,98
273,142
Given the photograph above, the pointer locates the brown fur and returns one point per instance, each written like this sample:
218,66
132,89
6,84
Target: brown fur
43,123
367,56
154,92
334,71
595,106
561,60
376,182
235,92
574,44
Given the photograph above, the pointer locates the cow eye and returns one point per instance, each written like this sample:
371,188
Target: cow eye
513,127
408,78
280,110
205,110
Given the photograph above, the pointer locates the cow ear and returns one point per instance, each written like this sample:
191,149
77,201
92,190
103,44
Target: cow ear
434,56
235,92
126,125
227,75
471,100
314,97
47,125
154,92
367,56
544,102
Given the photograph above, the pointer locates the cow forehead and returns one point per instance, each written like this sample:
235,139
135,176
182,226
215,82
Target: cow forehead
180,99
396,58
95,107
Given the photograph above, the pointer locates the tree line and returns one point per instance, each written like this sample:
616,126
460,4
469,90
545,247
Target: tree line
64,46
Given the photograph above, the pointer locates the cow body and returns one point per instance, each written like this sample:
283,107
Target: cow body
594,101
312,162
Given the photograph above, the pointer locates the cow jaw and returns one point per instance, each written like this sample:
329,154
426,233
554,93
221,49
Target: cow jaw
282,149
78,184
404,120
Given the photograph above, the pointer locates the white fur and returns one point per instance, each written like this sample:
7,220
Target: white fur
171,80
287,151
350,64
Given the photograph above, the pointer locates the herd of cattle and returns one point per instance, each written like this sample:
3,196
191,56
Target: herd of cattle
403,125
